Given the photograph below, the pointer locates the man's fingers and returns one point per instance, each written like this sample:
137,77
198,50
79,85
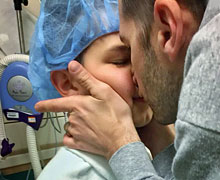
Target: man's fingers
64,104
85,79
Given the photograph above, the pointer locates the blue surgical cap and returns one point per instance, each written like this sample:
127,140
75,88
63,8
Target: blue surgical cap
63,30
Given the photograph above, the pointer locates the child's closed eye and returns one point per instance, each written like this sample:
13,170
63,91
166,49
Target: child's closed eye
121,62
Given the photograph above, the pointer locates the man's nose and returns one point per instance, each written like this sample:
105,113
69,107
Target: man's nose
133,77
134,80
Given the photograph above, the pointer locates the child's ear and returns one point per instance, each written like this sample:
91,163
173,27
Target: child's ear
62,82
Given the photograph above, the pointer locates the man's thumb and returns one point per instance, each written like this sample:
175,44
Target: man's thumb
84,78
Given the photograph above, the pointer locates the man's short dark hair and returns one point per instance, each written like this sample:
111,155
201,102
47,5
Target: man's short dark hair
141,11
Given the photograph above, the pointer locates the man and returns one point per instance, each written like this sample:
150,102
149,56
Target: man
162,35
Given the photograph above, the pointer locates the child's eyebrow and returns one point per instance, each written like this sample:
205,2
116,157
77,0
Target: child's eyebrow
119,48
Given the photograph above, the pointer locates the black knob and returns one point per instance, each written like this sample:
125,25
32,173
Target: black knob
25,2
17,4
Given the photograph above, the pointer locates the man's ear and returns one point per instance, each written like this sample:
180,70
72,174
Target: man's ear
62,82
168,20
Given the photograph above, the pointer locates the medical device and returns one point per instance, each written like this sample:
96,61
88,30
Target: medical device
17,103
16,95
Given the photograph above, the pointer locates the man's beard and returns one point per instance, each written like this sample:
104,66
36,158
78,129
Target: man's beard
162,88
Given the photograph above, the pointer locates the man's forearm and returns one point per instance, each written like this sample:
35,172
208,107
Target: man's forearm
132,162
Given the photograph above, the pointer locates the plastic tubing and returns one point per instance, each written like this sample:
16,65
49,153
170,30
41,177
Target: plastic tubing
30,133
33,153
4,62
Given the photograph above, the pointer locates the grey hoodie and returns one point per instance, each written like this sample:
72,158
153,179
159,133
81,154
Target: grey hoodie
195,154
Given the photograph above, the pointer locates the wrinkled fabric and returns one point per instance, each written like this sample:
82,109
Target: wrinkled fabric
70,164
63,30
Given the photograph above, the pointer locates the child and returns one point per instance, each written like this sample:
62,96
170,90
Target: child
87,31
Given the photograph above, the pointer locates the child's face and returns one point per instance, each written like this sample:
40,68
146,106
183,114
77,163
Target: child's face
108,59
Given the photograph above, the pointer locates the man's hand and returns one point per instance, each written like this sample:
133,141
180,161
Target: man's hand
101,122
